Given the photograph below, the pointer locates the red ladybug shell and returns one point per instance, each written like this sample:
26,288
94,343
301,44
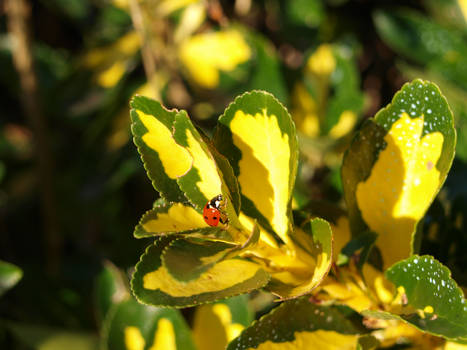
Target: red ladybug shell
211,215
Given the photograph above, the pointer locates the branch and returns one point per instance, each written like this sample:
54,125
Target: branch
18,13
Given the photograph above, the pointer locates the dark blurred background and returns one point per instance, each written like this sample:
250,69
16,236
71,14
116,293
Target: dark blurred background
72,186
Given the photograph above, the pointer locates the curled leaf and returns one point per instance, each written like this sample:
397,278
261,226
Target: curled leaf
153,284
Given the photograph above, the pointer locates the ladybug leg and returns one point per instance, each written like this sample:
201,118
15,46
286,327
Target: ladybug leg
223,219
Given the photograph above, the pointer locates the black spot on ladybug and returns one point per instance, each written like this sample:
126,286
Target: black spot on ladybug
215,217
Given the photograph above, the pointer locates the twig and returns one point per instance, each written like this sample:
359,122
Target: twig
148,58
18,14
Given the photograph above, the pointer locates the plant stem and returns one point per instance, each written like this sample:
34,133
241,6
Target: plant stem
18,13
146,52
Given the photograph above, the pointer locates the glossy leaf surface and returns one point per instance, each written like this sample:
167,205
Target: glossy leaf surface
440,306
299,323
257,136
405,155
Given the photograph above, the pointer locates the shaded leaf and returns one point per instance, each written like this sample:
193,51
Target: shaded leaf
305,12
266,73
133,326
152,283
48,338
227,175
186,259
346,99
110,288
299,323
425,41
356,167
240,309
361,244
9,276
216,324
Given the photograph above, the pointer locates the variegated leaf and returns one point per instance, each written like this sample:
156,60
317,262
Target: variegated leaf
153,284
299,324
215,325
434,303
258,137
179,161
164,160
169,218
393,170
313,245
133,326
186,259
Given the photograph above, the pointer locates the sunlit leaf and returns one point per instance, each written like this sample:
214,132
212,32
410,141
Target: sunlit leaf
166,7
456,96
204,67
435,303
191,19
396,166
454,346
163,158
180,219
313,245
153,284
113,61
202,181
169,218
181,166
328,100
257,136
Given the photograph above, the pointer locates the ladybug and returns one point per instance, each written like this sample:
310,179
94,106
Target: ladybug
213,211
